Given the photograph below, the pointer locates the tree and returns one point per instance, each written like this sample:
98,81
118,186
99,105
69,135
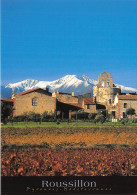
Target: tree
100,118
6,111
130,111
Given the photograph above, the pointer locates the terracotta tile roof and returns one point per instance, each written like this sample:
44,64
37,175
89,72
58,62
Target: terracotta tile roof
88,101
127,97
7,100
76,104
28,91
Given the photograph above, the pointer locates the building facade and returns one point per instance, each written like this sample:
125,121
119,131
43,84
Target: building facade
90,106
65,97
35,100
105,91
122,103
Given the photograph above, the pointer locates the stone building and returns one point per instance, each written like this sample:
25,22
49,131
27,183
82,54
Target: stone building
65,97
105,91
106,96
7,101
90,106
122,103
34,100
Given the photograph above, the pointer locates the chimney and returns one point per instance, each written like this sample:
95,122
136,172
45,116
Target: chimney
13,96
73,93
54,94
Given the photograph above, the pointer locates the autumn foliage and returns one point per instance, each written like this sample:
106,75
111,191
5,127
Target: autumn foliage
66,162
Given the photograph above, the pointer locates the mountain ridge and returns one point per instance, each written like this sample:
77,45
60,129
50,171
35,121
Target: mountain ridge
79,84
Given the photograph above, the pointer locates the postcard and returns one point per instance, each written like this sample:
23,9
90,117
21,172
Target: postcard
69,97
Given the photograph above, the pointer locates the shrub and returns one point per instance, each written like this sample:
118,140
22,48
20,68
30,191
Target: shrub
19,118
45,114
35,117
100,118
92,115
130,111
109,118
52,115
134,120
124,121
58,122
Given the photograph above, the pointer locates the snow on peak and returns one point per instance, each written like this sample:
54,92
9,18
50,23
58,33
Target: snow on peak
23,85
88,79
126,89
79,84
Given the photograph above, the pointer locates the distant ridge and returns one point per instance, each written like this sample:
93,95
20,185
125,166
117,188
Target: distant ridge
79,84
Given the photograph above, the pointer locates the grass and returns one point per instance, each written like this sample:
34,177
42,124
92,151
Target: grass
65,124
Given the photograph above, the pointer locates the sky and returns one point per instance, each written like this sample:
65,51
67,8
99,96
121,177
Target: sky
48,39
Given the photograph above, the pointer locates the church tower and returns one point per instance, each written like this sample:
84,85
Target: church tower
105,90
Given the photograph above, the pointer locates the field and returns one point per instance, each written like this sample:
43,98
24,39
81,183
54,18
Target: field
69,150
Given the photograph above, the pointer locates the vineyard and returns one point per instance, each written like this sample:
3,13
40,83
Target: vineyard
66,162
69,151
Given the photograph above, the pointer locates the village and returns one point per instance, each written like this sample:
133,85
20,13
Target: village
106,98
63,134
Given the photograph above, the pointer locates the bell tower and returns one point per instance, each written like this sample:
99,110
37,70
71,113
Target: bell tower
105,90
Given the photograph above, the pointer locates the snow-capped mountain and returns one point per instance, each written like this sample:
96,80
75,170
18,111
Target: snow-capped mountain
79,84
67,84
23,85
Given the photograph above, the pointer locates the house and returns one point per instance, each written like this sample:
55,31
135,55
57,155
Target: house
65,97
66,103
89,105
122,103
64,109
34,100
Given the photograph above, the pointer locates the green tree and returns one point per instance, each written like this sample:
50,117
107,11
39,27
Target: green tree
130,111
6,111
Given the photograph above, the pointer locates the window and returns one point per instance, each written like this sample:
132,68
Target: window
109,101
102,83
125,105
88,106
34,102
108,84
